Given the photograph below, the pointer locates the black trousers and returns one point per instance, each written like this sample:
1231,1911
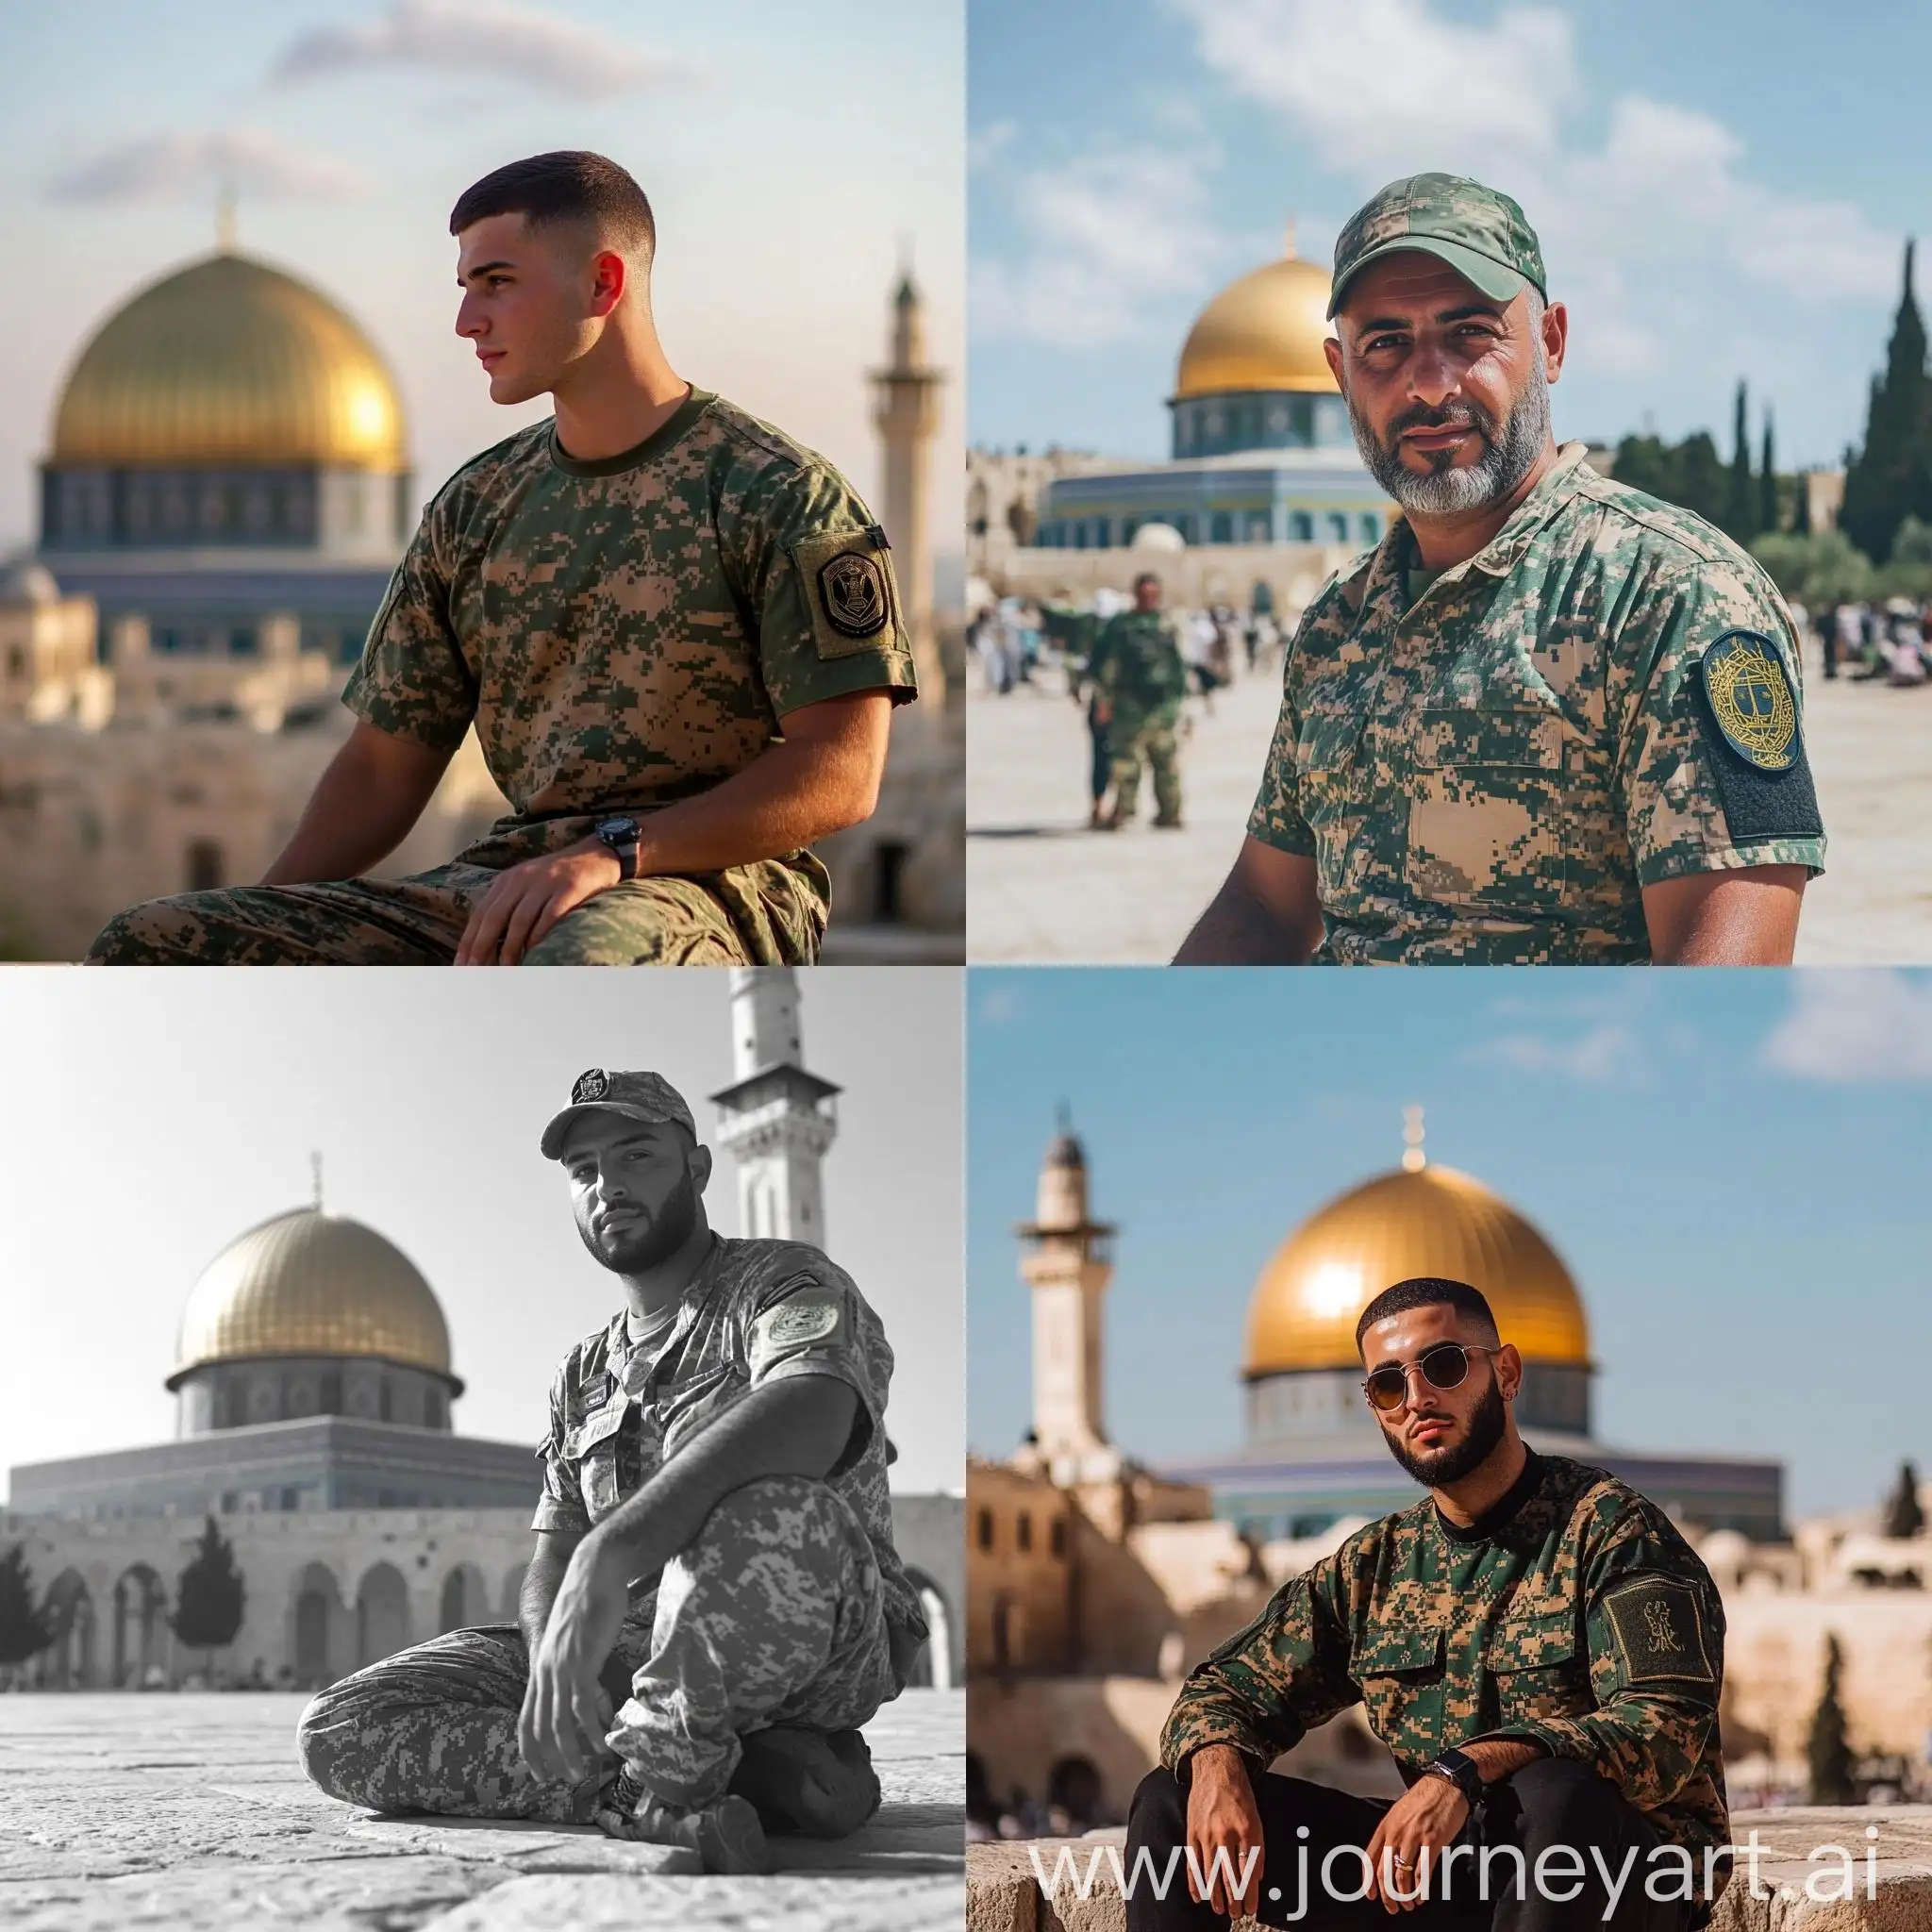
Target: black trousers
1551,1801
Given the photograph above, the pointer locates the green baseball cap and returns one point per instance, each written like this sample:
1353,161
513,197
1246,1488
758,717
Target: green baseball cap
1481,234
648,1098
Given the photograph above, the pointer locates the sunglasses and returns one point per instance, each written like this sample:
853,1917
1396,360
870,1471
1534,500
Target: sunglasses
1445,1366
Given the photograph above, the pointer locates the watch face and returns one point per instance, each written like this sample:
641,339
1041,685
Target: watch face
617,831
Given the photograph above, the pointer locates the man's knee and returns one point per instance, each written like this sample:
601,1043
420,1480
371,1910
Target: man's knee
1558,1794
318,1740
1157,1816
145,935
771,1502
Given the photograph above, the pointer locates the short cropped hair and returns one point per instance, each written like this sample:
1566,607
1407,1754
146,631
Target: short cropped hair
569,185
1427,1291
1147,577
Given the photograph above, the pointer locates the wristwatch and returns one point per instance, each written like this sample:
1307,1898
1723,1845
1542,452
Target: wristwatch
619,836
1459,1766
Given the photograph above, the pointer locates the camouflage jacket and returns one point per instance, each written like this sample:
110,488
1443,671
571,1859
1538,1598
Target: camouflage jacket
1137,666
756,1312
626,632
1492,774
1574,1614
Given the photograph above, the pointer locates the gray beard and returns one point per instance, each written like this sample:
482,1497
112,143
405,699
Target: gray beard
1450,488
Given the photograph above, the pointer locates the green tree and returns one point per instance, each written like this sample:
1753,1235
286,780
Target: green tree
1891,477
211,1597
1767,482
1801,504
1903,1516
1739,519
26,1629
1827,1750
1821,569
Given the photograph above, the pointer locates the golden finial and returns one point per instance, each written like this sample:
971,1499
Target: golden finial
1288,240
224,220
315,1175
1413,1158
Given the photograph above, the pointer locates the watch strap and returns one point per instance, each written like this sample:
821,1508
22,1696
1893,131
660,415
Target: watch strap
1460,1768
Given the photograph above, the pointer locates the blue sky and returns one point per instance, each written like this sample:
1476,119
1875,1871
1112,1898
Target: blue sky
789,153
1722,191
1732,1164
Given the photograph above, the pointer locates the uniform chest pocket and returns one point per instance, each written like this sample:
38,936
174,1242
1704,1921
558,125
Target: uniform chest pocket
592,1446
1332,794
1535,1665
1399,1668
1488,810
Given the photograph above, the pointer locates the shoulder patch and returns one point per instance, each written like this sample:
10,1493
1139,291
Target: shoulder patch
848,586
1748,712
1657,1626
795,1323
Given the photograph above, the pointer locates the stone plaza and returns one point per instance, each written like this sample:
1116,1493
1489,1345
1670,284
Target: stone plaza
118,1810
1044,888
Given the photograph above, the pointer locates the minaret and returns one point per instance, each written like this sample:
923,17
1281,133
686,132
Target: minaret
907,414
776,1119
1068,1264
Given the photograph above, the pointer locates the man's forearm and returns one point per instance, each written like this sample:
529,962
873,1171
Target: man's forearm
1238,929
794,1428
362,807
541,1582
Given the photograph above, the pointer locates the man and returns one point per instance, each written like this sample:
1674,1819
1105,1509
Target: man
1077,633
715,1604
675,630
1139,679
1536,1646
1549,719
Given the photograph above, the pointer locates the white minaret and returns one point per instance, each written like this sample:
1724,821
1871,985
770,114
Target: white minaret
776,1119
1068,1264
906,410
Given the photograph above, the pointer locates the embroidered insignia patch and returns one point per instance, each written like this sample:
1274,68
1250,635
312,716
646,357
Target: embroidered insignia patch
591,1086
852,589
793,1324
1658,1627
1751,699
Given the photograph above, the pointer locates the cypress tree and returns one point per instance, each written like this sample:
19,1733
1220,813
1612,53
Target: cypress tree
26,1629
211,1597
1767,481
1801,505
1903,1516
1893,475
1741,506
1827,1751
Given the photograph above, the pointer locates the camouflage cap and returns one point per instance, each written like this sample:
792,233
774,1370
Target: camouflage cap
648,1097
1481,234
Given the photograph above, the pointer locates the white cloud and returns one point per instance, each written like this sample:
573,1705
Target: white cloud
1862,1025
510,43
1648,227
175,167
1603,1054
1108,235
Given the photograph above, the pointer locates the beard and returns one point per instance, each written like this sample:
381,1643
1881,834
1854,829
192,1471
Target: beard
634,1249
1448,488
1435,1468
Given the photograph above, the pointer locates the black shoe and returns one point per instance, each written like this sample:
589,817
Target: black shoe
814,1782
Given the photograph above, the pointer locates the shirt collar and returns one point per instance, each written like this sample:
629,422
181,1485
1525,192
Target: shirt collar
699,1291
1503,1511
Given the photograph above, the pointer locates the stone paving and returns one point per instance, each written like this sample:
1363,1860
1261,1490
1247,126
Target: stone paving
121,1810
1040,887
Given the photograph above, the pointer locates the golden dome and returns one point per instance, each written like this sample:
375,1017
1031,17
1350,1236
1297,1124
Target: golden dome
1263,332
1426,1221
311,1283
230,361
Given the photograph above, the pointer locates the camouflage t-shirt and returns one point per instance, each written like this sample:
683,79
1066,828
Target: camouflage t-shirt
1492,773
756,1312
1582,1620
626,632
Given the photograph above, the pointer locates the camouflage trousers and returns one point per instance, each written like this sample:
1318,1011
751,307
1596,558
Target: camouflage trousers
771,913
774,1614
1129,741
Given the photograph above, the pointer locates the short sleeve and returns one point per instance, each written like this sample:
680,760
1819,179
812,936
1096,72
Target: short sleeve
817,573
1277,819
819,1325
561,1505
412,681
1703,788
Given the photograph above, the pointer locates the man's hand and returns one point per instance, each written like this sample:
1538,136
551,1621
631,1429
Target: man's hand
1419,1826
1223,1819
566,1710
527,900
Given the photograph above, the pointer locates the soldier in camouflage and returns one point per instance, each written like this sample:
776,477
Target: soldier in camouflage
1549,719
715,1604
1540,1650
1139,679
674,631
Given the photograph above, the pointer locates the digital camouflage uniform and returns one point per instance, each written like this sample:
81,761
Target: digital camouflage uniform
1585,1623
783,1611
621,634
1137,668
1606,695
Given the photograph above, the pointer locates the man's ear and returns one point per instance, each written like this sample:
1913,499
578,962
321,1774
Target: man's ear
699,1168
610,277
1509,1370
1332,349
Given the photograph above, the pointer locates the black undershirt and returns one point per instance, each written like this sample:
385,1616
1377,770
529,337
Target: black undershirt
1500,1513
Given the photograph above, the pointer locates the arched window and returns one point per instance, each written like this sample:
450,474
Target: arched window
986,1529
1023,1531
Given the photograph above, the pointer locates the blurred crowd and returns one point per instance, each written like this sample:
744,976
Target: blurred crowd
1888,639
